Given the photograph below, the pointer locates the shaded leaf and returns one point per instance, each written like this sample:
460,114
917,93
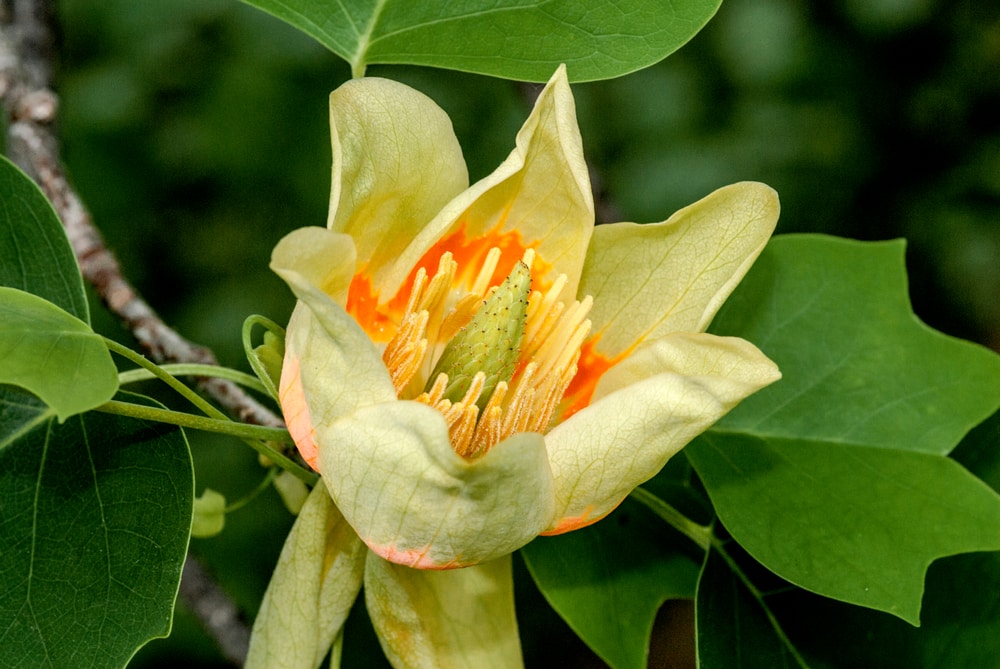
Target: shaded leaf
857,523
858,365
53,354
732,625
607,581
958,630
514,39
35,255
94,521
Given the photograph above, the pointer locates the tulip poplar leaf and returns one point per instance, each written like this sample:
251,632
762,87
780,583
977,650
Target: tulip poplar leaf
35,255
853,522
513,39
96,516
959,621
732,625
607,581
53,354
858,366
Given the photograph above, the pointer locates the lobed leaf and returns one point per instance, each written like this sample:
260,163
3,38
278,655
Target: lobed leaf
857,523
858,366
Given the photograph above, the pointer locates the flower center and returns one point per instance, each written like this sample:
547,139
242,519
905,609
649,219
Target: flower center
495,360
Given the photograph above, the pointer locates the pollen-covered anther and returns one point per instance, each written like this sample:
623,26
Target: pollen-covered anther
405,352
524,370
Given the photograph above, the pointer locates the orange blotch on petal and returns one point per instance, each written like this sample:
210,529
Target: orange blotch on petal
293,405
413,557
570,523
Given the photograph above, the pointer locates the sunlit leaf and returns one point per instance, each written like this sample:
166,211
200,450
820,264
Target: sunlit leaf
835,477
35,255
608,581
857,523
858,366
95,519
53,354
514,39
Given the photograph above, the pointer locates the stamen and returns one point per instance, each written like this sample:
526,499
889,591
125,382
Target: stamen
542,357
482,282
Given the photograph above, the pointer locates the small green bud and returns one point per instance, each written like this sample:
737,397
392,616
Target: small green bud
209,514
490,342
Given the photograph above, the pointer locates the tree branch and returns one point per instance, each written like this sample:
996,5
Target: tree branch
31,106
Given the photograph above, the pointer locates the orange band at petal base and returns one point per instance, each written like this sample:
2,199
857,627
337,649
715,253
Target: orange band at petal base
380,319
293,405
570,523
590,368
413,557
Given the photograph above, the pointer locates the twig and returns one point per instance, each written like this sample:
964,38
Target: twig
30,106
216,611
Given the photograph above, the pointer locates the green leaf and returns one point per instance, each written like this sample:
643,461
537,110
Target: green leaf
53,354
35,255
960,617
95,519
734,628
858,365
514,39
959,623
607,581
857,523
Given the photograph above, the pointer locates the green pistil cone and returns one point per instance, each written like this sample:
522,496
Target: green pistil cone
490,342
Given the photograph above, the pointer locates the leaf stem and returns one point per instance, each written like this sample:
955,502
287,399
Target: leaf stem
699,534
257,436
206,424
161,374
194,369
252,495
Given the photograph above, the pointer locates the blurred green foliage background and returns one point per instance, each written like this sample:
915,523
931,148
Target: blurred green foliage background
196,132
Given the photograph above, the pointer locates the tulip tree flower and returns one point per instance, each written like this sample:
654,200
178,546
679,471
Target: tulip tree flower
470,367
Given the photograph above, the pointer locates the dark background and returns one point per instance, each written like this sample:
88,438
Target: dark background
196,132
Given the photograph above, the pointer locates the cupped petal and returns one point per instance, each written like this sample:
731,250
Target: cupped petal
317,579
651,405
331,366
316,258
414,501
444,619
396,162
540,194
650,280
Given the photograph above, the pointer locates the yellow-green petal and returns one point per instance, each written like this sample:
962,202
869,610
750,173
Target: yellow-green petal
396,162
455,619
542,190
650,280
331,366
653,404
316,258
317,579
414,501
